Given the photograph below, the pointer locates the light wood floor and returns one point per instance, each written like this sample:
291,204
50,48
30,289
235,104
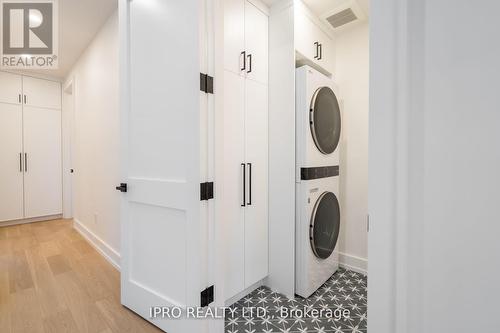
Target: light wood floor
52,280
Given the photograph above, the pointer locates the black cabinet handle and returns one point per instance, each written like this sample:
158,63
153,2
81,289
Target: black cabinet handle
122,187
249,203
25,162
244,185
25,99
320,52
19,98
244,54
249,63
20,162
317,50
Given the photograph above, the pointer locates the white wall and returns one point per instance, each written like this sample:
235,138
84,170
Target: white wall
352,76
95,150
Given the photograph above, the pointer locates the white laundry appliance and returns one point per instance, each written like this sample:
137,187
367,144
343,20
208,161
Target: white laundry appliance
318,120
318,214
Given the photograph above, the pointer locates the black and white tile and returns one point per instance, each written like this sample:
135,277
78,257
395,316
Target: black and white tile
266,311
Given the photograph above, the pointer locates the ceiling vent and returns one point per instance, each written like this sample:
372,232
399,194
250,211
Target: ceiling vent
345,15
341,18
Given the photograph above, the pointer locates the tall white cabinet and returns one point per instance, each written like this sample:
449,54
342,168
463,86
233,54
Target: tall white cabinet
30,147
245,144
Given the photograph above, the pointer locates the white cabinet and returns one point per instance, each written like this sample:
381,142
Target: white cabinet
245,146
314,47
30,148
246,40
41,93
43,170
11,87
11,162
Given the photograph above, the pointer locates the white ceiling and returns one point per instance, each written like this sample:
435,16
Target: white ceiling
320,7
79,22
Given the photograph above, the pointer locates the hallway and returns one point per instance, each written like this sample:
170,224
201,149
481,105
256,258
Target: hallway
52,280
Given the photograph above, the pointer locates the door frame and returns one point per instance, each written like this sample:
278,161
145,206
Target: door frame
396,35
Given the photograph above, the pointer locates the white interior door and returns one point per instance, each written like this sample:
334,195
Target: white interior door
10,88
234,168
162,261
256,43
256,210
42,162
11,162
41,93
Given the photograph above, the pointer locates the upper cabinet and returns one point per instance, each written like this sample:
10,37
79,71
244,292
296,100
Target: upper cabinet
41,93
314,47
246,40
11,87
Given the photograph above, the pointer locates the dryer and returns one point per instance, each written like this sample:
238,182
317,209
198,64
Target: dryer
318,120
317,232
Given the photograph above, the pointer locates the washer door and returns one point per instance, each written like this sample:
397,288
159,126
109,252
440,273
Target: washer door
325,225
324,120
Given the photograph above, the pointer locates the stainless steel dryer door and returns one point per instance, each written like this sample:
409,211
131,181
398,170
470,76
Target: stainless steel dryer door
324,120
325,225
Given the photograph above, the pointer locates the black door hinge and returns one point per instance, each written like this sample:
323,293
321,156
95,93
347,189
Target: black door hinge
206,191
207,296
206,83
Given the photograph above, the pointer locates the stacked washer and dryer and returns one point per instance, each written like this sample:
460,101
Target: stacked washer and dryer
318,131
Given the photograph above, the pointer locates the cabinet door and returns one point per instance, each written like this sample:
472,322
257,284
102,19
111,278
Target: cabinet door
256,43
327,52
10,88
11,173
234,35
305,36
43,174
234,156
256,155
41,93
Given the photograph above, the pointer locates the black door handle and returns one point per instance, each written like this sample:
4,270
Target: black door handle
320,52
122,187
244,185
249,203
20,162
317,50
249,63
244,54
25,162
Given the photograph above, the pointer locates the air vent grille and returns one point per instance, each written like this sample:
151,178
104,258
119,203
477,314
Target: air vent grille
342,17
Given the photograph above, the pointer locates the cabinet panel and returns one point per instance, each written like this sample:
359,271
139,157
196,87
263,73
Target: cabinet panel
256,43
11,175
10,88
41,93
256,153
307,34
43,174
234,155
234,35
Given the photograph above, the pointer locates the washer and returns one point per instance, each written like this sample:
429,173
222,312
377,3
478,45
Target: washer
317,231
318,120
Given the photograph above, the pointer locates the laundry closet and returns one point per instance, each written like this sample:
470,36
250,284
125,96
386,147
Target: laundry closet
31,164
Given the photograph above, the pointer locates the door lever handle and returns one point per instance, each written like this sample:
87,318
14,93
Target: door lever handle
122,188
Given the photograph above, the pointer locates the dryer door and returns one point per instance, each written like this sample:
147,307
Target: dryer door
324,120
325,225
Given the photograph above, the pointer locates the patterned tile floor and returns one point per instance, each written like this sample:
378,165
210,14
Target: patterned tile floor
339,306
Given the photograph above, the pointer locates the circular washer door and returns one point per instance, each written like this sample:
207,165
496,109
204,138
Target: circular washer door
325,225
324,120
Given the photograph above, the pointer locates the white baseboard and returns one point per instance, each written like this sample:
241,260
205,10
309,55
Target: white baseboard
353,263
101,246
31,220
